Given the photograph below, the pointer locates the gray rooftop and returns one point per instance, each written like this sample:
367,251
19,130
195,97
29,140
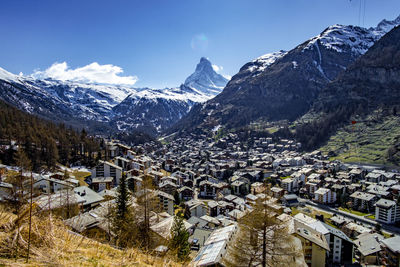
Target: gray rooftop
393,243
385,203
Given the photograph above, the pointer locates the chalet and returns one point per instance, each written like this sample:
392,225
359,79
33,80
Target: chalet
215,247
250,199
93,223
185,193
166,202
188,183
357,174
221,188
368,248
123,163
58,200
163,229
353,229
180,177
207,190
257,187
195,208
197,222
51,185
134,183
290,200
112,150
277,192
92,199
100,183
391,248
211,222
340,246
315,245
122,149
240,185
379,191
235,214
168,187
107,169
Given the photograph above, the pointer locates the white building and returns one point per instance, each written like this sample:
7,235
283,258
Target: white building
387,211
215,247
166,202
107,169
289,184
51,185
325,196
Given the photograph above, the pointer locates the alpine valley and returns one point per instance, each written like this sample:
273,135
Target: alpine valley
300,88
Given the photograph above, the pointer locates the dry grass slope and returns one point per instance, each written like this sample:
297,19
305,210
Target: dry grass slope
54,245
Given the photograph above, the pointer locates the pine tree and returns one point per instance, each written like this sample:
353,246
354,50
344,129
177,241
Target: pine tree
179,242
122,220
122,199
177,199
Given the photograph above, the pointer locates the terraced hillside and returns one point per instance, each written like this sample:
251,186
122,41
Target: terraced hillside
372,140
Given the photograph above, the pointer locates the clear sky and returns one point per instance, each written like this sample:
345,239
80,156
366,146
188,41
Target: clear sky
159,43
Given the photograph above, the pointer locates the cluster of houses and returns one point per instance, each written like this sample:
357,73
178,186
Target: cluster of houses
217,182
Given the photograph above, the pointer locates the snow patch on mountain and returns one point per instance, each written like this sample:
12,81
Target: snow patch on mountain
341,38
8,76
259,64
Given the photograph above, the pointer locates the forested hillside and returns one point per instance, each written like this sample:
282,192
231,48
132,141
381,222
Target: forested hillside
44,142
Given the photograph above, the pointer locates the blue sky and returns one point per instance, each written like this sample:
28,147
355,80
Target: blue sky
159,43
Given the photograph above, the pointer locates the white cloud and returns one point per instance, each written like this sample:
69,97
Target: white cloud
92,73
227,76
219,69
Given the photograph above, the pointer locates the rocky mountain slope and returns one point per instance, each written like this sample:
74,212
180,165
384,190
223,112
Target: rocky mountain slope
110,107
284,85
368,93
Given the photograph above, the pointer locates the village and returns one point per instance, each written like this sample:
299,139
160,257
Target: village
340,213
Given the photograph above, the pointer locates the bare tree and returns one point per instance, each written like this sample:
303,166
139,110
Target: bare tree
262,240
18,181
148,203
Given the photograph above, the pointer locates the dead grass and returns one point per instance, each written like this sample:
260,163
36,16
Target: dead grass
54,245
79,175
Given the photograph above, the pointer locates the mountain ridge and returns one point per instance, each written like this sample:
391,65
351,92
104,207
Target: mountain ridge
287,86
107,105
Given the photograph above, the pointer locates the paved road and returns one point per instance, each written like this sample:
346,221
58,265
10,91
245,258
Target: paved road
387,228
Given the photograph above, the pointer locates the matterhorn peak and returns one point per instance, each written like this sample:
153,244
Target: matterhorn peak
205,79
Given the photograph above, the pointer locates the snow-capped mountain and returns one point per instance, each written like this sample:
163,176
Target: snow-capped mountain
79,100
284,85
122,106
259,64
205,79
158,109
